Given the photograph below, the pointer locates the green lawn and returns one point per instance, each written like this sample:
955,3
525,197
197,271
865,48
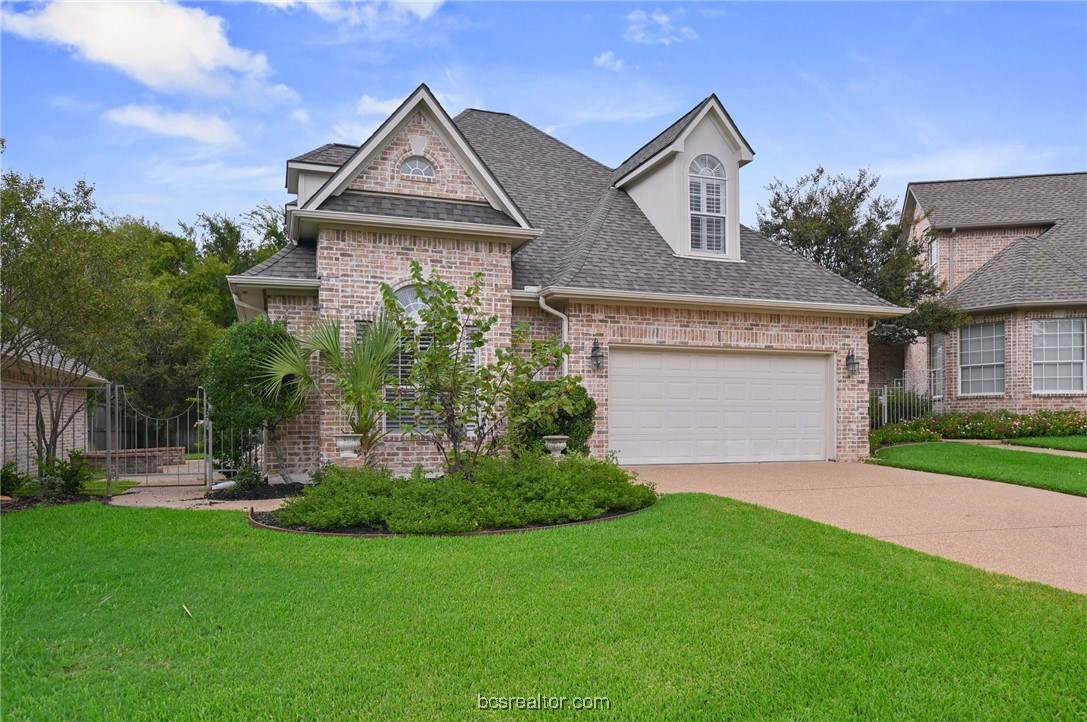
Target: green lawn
1068,443
97,487
700,607
1028,468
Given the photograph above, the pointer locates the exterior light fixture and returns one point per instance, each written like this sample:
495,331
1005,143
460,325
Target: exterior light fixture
596,357
852,365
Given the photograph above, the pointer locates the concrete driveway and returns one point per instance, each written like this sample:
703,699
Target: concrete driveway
1027,533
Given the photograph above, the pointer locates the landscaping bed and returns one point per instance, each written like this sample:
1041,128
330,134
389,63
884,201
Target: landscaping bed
257,492
992,425
1027,468
510,493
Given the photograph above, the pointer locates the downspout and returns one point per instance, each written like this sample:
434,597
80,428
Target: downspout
565,332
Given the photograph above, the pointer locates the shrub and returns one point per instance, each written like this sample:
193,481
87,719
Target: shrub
11,481
64,477
994,425
530,490
575,421
247,477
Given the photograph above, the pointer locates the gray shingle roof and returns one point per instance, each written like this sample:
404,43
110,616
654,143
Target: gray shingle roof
291,261
594,235
1049,269
1017,200
397,206
334,154
1029,272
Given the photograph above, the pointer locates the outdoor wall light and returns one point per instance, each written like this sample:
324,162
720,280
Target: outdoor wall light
852,365
596,357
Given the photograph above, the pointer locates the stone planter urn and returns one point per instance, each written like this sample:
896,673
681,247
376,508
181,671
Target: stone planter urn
555,444
349,445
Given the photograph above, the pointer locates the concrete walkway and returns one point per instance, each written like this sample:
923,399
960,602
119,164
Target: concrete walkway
186,497
1027,533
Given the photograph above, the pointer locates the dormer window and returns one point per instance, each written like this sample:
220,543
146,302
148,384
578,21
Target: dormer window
707,197
417,167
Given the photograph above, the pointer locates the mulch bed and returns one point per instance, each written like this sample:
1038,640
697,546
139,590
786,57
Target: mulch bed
267,520
29,502
260,491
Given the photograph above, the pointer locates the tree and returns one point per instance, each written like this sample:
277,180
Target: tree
66,289
239,405
841,224
454,400
360,375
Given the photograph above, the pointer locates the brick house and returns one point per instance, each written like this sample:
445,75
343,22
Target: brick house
717,344
1013,253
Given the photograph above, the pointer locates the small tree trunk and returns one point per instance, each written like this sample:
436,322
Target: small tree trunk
273,441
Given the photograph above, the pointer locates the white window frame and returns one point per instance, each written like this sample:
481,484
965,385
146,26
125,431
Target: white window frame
936,368
934,257
422,174
1076,353
981,328
700,181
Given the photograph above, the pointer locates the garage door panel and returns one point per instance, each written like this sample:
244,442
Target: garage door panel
686,407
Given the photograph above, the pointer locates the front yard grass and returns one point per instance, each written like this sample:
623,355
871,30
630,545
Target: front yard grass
97,487
701,607
1067,443
1027,468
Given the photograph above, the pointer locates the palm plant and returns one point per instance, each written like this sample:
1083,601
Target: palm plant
359,374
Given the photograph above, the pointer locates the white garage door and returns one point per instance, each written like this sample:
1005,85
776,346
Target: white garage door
676,407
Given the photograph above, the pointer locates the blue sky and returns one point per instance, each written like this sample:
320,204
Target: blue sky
174,109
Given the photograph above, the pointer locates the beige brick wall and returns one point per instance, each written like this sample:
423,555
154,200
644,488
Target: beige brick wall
352,264
298,438
1018,393
543,326
886,364
19,422
450,179
725,330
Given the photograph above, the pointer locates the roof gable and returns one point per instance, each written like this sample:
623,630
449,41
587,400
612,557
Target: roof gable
1008,201
421,106
671,141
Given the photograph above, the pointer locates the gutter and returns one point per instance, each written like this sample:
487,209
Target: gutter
763,304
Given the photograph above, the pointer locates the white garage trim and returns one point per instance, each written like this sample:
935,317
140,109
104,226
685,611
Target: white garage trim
677,405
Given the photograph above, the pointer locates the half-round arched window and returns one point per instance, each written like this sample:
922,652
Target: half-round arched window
410,301
707,203
416,167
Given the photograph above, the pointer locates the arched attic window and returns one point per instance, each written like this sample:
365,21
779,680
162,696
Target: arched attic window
417,167
707,198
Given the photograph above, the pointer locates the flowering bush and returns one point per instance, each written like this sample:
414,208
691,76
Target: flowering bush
997,425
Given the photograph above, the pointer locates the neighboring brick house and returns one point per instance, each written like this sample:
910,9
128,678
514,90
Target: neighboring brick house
1013,253
717,344
43,386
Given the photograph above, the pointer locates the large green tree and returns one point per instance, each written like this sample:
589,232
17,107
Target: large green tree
841,223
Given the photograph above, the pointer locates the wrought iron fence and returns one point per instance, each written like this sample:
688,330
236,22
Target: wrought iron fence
917,394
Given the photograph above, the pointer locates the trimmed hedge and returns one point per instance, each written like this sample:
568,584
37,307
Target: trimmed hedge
504,494
995,425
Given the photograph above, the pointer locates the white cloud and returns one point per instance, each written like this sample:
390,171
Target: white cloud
352,133
367,13
608,61
300,116
369,105
165,46
196,126
73,105
656,28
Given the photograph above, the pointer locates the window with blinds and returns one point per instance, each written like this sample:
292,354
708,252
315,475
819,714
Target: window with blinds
707,205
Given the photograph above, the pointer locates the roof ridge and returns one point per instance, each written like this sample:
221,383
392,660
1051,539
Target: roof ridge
672,125
998,177
997,258
550,137
588,236
1058,255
